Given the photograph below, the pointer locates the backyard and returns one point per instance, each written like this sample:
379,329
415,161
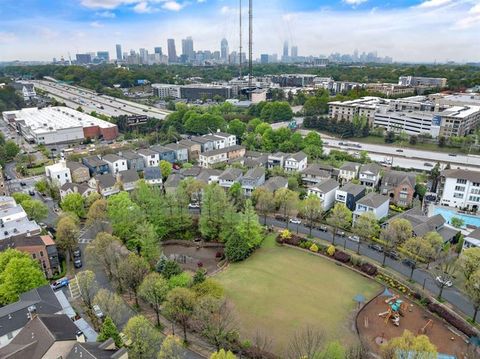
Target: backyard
281,290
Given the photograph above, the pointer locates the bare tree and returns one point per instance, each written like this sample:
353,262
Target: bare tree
306,343
88,286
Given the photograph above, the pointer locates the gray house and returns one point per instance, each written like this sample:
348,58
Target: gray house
181,151
166,154
254,178
349,194
229,177
205,143
134,160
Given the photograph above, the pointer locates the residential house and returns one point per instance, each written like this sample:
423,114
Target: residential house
218,142
254,178
205,143
172,182
472,240
128,179
423,224
41,248
348,171
193,171
150,158
399,186
81,188
194,149
228,139
369,175
79,172
181,151
14,316
14,220
134,160
276,159
153,176
166,154
373,202
105,350
254,159
3,188
58,173
105,184
208,175
314,174
95,165
460,189
349,194
45,336
326,192
296,162
115,163
211,158
275,183
234,152
229,177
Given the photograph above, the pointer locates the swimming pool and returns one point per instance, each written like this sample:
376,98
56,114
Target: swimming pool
448,214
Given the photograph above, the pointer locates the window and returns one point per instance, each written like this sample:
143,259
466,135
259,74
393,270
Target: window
459,188
458,195
461,181
34,256
41,253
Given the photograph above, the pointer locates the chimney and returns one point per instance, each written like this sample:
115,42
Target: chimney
80,337
32,312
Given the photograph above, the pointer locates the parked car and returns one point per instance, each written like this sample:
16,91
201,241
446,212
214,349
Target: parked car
322,228
23,184
445,282
77,263
409,263
97,311
280,218
31,192
341,234
376,247
295,221
62,282
393,255
8,178
77,253
354,239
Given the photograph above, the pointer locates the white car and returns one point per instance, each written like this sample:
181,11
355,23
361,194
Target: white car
446,283
295,221
354,239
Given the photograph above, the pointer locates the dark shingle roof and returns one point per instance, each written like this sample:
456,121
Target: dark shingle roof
129,176
130,155
353,188
94,351
152,173
327,185
472,176
112,158
392,179
350,166
94,161
255,173
75,165
173,180
222,150
370,167
299,156
275,183
316,170
231,174
106,180
373,200
475,234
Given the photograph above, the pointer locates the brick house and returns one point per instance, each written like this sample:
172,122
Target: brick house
399,187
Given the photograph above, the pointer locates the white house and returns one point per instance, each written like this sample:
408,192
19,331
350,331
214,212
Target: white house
115,163
460,188
372,202
369,175
296,162
58,173
348,172
228,139
472,239
210,158
150,158
326,192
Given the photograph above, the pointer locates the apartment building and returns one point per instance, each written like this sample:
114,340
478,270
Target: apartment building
348,110
422,81
460,189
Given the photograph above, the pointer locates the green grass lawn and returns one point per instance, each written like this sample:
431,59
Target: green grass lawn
280,290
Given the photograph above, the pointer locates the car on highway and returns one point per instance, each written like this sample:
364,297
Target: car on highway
443,281
399,150
409,263
60,283
452,154
427,164
8,178
376,247
341,234
295,221
355,239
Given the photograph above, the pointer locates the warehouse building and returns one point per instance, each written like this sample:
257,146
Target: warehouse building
52,125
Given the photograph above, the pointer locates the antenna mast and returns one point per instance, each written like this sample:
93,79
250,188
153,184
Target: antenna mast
250,44
240,50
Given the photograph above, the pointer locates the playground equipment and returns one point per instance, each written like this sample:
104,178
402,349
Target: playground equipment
423,330
396,308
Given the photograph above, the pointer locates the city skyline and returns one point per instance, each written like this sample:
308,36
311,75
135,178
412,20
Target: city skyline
408,31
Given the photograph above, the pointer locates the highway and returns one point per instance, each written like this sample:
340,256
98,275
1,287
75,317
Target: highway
90,101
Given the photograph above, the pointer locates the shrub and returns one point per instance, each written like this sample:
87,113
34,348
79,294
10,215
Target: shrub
452,319
356,261
314,248
200,264
322,248
331,250
369,269
218,255
342,256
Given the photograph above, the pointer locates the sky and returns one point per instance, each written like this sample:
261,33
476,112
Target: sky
407,30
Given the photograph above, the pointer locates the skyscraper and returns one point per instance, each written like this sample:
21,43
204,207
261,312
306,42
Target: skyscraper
187,48
104,55
285,49
224,50
172,52
158,50
119,52
264,58
294,51
144,56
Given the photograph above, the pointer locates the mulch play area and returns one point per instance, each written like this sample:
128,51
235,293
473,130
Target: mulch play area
375,329
189,256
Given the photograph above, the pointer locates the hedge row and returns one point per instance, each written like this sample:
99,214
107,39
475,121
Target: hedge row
451,318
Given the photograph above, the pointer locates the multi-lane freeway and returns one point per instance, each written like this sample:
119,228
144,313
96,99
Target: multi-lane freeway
74,97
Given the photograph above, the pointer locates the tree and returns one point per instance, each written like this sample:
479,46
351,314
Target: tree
311,209
145,339
435,240
112,305
416,248
21,197
18,274
11,150
35,210
67,235
222,354
74,203
124,215
209,287
313,145
397,232
235,194
306,343
132,272
366,226
215,320
470,261
97,213
88,286
168,268
171,348
109,330
42,186
340,217
457,222
409,343
264,202
237,128
153,290
105,250
212,215
472,288
165,168
446,266
200,276
146,242
180,306
286,201
434,176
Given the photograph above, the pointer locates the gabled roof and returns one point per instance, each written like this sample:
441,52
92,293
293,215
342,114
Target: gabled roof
370,167
176,146
73,166
255,173
475,234
317,170
299,156
173,180
275,183
94,161
231,174
392,179
223,134
129,176
201,140
326,185
81,187
350,166
420,222
222,150
352,188
472,176
112,158
207,173
147,152
95,351
373,200
130,155
189,143
106,180
191,172
161,149
152,173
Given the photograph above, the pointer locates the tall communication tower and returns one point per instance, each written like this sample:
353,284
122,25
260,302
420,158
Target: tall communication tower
250,44
240,49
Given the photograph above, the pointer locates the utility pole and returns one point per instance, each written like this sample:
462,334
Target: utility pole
250,46
240,50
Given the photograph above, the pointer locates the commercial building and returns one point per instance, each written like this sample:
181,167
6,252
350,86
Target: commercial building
103,55
422,81
187,49
460,189
118,49
195,92
83,59
413,123
51,125
172,51
391,90
224,51
293,80
165,91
